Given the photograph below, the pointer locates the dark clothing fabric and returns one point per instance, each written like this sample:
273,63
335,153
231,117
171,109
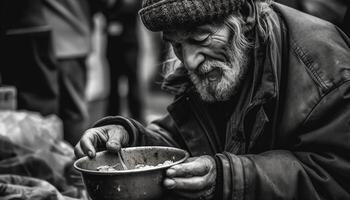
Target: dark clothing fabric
26,54
122,58
220,114
330,10
72,102
124,12
346,24
21,16
29,65
288,135
122,55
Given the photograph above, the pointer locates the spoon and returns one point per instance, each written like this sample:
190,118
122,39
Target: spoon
122,160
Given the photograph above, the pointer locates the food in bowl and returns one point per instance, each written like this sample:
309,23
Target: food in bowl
143,166
111,168
106,168
135,184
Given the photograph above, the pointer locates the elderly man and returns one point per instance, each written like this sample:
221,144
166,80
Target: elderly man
262,102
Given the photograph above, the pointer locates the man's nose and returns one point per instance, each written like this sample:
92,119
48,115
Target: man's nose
192,56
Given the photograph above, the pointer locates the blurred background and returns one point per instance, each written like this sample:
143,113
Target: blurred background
64,65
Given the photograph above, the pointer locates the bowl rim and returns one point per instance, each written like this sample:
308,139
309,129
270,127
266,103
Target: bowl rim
186,156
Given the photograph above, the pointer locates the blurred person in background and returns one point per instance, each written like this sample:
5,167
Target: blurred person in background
45,46
262,105
122,52
71,25
27,60
28,63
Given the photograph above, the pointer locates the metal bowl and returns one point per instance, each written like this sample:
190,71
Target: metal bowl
131,184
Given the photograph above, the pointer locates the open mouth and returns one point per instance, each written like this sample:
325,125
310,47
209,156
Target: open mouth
214,75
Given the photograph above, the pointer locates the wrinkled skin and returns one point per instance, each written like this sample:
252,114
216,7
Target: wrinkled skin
193,179
214,56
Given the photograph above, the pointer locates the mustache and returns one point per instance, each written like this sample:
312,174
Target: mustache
212,64
209,66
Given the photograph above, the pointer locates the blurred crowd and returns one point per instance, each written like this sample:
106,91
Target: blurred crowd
84,59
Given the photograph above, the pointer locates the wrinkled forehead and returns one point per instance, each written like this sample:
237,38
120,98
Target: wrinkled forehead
180,34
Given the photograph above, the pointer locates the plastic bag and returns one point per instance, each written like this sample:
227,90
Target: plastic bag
30,129
33,146
21,188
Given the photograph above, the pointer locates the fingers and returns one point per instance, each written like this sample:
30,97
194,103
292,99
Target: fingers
193,176
193,167
117,138
91,139
111,137
78,151
193,183
84,148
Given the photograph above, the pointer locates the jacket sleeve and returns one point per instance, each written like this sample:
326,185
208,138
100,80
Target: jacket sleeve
161,132
316,166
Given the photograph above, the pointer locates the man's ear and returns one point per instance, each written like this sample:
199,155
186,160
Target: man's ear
249,15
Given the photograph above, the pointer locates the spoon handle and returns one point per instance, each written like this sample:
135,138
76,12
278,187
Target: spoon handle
122,160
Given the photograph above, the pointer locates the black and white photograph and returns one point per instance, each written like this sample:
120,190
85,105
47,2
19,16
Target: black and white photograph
174,99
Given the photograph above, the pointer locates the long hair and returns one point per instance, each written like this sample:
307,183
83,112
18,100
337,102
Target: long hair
236,23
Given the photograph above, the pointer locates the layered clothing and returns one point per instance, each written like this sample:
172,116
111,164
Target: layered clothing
288,132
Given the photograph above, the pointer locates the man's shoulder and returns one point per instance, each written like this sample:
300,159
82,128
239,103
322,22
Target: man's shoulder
305,27
320,45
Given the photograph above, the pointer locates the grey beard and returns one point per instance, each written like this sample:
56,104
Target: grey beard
233,73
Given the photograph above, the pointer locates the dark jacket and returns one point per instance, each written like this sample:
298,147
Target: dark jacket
289,138
346,25
23,17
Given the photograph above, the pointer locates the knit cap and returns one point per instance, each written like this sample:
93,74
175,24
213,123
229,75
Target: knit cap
160,15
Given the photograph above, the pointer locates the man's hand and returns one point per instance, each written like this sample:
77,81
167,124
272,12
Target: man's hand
110,137
193,179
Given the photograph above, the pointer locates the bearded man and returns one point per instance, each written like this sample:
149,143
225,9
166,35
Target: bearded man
262,102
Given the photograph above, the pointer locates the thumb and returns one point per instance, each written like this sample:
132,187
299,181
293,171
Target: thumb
117,138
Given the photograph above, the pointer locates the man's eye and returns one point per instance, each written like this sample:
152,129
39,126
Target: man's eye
201,39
